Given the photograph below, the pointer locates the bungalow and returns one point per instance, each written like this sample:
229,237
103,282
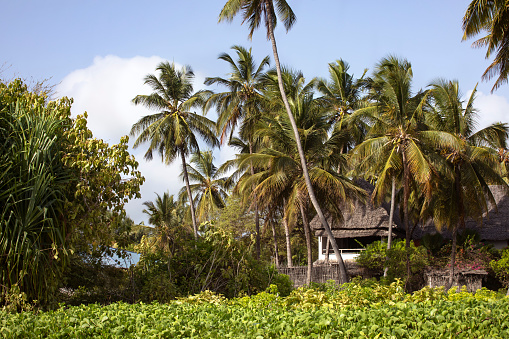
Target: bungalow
494,228
361,226
367,223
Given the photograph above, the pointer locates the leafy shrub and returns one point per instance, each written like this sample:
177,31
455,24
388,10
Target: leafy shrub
284,284
470,254
360,309
374,258
14,300
501,267
432,242
88,280
216,261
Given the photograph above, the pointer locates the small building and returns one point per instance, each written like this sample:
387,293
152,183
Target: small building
361,226
494,228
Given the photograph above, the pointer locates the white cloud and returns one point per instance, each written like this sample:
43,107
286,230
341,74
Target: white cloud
491,107
105,90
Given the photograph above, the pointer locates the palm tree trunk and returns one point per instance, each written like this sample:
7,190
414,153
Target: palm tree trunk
391,217
327,249
343,276
276,250
461,223
453,259
406,195
309,249
188,188
257,230
288,242
257,215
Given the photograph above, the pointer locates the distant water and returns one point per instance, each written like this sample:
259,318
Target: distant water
132,258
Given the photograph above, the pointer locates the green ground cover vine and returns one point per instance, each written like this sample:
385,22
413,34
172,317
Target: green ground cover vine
361,309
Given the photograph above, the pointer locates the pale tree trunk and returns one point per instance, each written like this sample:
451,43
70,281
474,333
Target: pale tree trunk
343,276
189,195
257,230
391,217
327,249
406,195
309,249
257,215
461,223
288,242
453,259
276,250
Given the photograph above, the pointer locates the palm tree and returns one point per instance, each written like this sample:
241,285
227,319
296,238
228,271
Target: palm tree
341,95
280,182
167,216
256,11
172,131
209,188
395,144
240,104
472,166
492,17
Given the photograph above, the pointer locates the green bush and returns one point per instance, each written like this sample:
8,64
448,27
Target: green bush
216,261
284,284
433,242
501,267
374,258
87,280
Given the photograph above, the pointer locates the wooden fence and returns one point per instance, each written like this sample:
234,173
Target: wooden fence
472,279
321,273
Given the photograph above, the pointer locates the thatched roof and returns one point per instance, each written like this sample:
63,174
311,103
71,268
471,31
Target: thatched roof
364,220
495,224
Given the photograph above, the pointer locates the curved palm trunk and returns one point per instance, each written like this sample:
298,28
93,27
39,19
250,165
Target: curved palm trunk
188,188
307,234
391,217
343,276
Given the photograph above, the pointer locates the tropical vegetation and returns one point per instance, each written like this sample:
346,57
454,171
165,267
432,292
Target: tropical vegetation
322,312
211,254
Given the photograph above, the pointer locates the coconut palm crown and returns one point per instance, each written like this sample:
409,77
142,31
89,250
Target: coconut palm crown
492,17
173,130
208,187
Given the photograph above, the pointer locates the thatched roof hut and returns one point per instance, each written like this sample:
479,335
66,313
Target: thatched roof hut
364,220
494,227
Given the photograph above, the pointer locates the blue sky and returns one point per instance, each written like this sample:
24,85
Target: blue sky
98,52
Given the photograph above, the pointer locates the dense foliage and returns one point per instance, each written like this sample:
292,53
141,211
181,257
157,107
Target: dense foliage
501,267
61,191
216,261
359,310
376,257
